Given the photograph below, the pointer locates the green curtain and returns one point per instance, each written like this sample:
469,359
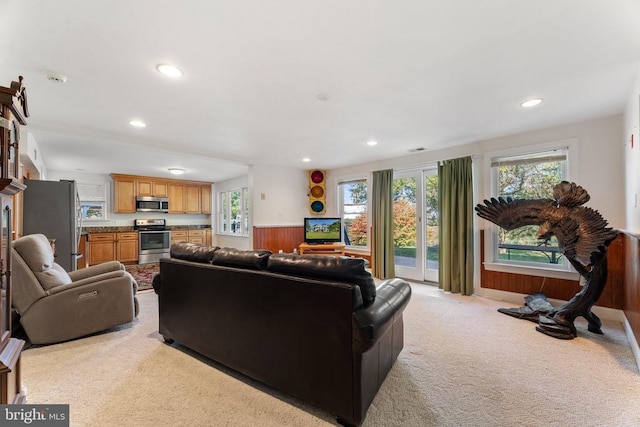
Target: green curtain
455,234
382,255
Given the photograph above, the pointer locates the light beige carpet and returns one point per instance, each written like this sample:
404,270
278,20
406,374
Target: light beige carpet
464,364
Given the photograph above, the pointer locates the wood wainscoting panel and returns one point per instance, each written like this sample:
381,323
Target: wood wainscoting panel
562,289
631,282
276,238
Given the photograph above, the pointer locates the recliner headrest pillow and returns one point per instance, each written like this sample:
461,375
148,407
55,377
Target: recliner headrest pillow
343,269
252,259
192,252
36,252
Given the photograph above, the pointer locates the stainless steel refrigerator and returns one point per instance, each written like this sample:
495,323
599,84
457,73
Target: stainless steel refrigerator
52,208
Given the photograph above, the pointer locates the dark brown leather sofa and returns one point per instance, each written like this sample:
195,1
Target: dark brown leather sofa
316,328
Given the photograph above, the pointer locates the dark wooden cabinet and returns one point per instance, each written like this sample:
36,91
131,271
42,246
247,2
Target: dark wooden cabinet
13,111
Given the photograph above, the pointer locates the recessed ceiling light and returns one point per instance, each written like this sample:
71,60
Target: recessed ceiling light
169,70
531,102
306,159
137,123
371,143
176,171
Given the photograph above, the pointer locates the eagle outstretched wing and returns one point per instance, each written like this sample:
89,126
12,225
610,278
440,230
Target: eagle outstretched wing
582,232
590,235
514,213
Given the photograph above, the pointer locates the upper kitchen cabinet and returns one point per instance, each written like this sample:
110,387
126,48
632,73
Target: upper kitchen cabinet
185,197
205,198
124,194
152,187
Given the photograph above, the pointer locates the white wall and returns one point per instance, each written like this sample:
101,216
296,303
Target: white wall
285,195
31,158
600,165
632,157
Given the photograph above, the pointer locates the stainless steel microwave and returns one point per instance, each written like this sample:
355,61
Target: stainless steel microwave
152,204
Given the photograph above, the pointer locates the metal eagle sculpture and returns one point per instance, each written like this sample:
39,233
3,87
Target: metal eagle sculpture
583,237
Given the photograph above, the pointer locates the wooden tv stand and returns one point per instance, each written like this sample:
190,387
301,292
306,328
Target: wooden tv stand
332,249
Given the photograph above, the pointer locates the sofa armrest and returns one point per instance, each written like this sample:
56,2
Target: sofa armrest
372,320
94,270
88,281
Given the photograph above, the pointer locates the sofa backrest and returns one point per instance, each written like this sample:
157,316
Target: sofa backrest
341,269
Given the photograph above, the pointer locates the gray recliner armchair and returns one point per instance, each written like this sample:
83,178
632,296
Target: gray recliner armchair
56,306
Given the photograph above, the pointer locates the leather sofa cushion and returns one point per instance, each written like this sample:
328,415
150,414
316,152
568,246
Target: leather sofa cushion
193,252
343,269
231,257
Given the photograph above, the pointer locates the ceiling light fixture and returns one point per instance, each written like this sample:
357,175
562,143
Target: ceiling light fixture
169,70
531,103
306,159
371,143
137,123
176,171
57,78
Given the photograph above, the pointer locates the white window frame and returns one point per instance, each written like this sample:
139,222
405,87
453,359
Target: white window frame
95,196
544,270
224,212
339,191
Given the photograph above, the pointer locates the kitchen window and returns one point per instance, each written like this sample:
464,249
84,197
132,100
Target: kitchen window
233,216
93,201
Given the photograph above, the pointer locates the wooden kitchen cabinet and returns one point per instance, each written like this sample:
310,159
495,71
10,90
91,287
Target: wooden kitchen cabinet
197,236
207,236
205,199
176,197
124,195
127,246
184,198
121,246
179,236
191,197
102,248
151,187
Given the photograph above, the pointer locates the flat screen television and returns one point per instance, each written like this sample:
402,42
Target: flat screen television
318,231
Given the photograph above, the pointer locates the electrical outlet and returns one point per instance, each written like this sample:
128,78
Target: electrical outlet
263,196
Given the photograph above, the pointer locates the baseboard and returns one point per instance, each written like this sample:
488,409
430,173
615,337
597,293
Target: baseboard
605,313
631,337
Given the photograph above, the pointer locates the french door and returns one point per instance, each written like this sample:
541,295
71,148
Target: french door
415,217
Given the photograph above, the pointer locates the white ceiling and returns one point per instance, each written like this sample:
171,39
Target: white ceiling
409,74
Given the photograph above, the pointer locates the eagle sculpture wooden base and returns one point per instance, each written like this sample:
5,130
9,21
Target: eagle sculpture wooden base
583,237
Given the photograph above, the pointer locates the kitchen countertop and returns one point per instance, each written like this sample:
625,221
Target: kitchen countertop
124,229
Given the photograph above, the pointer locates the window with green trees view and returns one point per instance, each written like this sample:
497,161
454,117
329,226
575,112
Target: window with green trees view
353,210
530,176
234,212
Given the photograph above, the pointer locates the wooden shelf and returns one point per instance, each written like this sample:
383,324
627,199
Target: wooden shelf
335,249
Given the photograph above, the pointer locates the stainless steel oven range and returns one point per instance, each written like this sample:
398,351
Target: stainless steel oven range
154,240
